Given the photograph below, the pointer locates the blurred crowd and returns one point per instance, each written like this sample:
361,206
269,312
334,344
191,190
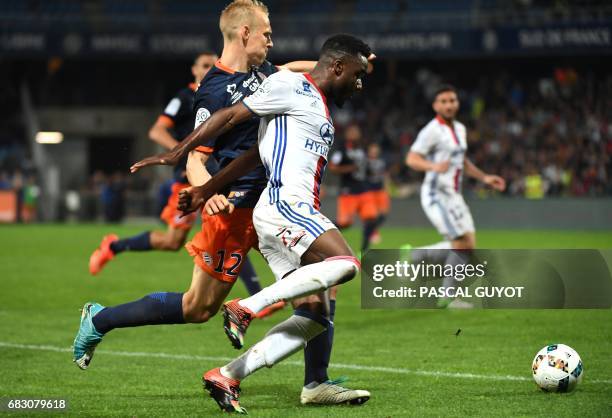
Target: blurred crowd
547,136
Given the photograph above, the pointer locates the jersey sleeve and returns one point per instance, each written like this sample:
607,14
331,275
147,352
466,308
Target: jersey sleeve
272,97
424,142
171,112
205,105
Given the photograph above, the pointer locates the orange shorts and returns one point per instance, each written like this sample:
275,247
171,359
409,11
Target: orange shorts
381,200
172,216
351,204
223,243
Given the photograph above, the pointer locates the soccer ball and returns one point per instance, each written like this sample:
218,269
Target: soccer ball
557,368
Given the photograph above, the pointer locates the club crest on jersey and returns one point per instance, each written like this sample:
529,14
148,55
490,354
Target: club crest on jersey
327,133
306,86
235,95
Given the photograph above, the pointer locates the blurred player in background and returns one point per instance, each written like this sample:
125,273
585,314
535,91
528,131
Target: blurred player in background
376,177
174,124
439,150
220,248
350,163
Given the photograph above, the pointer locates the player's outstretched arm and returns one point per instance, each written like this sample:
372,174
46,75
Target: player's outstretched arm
418,162
298,66
308,66
160,134
197,174
496,182
192,198
219,123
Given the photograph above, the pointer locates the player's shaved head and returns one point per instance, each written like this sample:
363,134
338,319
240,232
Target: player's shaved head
343,45
240,13
343,62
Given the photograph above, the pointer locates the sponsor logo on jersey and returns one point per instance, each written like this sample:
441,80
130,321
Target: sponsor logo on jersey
316,147
307,94
306,91
290,238
252,83
207,258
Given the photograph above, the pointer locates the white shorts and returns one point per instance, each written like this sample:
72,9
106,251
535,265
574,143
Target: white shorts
285,231
448,212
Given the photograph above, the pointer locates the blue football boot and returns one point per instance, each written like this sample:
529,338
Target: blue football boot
87,338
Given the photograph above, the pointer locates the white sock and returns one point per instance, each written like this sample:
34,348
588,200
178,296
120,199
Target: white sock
279,343
455,258
442,245
434,253
306,280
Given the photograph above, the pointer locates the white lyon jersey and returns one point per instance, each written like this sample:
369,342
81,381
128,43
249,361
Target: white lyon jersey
441,192
295,136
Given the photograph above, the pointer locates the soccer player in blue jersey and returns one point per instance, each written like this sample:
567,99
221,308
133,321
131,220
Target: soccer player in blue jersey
174,124
220,248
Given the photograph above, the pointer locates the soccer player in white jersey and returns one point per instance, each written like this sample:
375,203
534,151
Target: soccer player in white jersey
305,250
439,150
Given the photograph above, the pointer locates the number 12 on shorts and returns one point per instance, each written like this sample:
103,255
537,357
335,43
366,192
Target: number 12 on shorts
231,270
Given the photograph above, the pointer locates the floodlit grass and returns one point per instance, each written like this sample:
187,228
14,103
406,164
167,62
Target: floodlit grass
410,360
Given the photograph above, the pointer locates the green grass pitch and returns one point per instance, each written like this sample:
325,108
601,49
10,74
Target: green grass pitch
410,360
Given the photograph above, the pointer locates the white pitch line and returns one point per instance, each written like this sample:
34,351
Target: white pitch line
381,369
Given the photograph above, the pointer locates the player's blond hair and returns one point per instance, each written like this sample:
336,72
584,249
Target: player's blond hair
237,14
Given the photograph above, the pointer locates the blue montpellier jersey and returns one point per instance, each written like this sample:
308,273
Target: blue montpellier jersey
178,116
354,182
222,87
376,173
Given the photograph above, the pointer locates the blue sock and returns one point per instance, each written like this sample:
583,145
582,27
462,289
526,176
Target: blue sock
154,309
318,352
141,242
249,277
368,229
380,220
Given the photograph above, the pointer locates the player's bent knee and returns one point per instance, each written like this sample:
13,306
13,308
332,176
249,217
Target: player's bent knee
195,312
465,242
196,316
347,267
